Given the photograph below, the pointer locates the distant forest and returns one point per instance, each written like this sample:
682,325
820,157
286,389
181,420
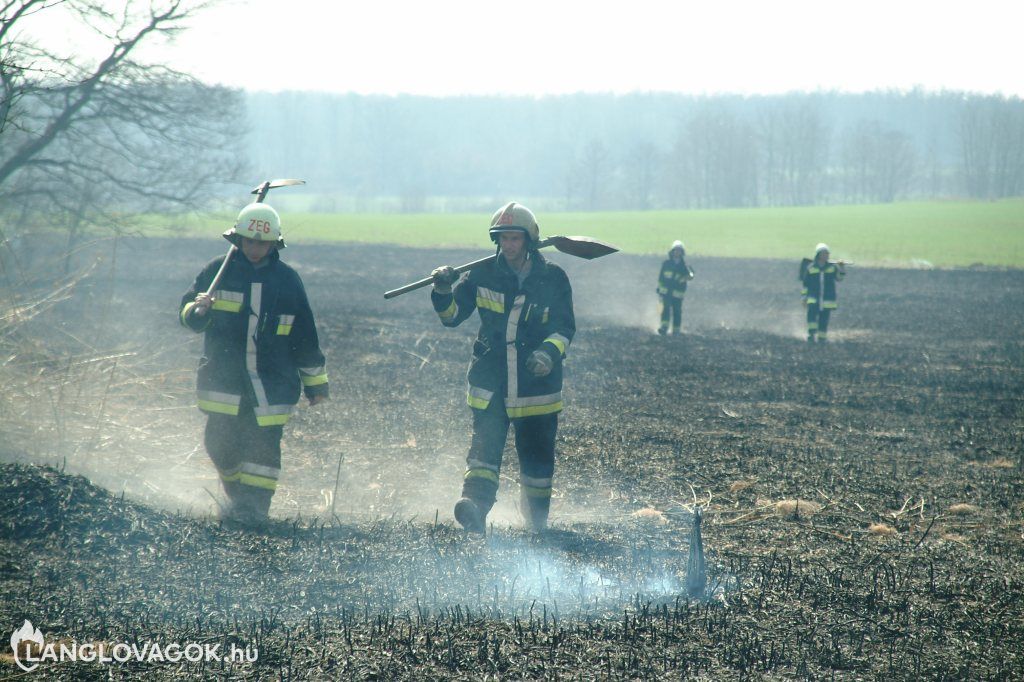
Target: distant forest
640,151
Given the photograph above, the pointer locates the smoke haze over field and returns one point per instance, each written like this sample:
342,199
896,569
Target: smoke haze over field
121,410
120,406
624,295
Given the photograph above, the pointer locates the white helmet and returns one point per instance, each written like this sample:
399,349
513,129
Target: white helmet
257,221
677,244
513,217
821,247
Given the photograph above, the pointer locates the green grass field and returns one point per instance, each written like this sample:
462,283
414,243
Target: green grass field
944,234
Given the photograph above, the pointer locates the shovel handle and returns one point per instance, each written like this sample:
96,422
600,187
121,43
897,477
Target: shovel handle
419,284
558,242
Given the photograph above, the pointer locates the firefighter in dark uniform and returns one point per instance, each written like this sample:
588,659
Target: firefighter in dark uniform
515,377
260,350
672,281
819,276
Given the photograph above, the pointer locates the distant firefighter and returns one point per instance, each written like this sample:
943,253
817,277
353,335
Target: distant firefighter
819,276
672,281
515,377
260,351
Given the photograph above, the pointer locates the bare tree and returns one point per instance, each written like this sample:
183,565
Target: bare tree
640,168
715,160
86,143
794,144
878,163
992,147
588,178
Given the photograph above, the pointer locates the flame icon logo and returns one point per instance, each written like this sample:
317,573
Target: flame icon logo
26,633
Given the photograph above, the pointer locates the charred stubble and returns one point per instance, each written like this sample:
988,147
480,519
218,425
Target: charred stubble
798,456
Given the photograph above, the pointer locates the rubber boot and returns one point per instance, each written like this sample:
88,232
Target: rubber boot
250,506
230,493
535,512
471,516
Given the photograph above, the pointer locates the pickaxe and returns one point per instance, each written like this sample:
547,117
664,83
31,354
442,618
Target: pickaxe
581,247
261,194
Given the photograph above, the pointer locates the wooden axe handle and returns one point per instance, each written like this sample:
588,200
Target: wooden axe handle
220,271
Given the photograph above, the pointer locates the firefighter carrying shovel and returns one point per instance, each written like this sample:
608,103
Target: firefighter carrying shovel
260,350
526,326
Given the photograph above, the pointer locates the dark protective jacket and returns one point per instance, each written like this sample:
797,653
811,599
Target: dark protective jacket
820,283
260,346
673,278
514,322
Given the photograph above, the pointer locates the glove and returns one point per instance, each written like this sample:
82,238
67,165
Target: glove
539,363
444,276
203,304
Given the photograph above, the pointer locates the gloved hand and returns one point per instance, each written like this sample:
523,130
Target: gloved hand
203,304
444,277
539,363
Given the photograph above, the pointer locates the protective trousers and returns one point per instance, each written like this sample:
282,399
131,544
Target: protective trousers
817,322
248,459
535,446
671,310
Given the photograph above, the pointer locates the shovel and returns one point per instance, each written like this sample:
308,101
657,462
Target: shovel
261,194
581,247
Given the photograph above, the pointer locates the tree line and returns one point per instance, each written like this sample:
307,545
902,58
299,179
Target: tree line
642,151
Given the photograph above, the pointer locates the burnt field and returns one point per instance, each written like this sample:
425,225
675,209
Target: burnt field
863,505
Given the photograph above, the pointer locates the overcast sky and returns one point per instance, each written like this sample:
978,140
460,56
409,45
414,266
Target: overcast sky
451,47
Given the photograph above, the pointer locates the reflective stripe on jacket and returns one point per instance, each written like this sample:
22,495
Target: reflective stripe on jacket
514,322
260,340
820,284
673,277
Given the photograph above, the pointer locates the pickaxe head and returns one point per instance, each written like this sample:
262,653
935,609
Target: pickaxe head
261,190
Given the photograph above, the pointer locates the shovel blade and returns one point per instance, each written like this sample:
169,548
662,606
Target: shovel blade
581,247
